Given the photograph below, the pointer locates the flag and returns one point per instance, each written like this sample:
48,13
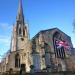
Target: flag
60,43
66,45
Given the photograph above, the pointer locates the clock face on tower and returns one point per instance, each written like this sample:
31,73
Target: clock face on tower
22,39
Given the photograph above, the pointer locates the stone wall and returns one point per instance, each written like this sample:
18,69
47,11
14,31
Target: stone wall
45,73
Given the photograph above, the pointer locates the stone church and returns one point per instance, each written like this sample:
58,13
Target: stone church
49,50
20,45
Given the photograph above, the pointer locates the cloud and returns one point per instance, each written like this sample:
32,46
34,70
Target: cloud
5,37
5,26
4,45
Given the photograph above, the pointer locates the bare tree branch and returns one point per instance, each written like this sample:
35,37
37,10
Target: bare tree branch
74,26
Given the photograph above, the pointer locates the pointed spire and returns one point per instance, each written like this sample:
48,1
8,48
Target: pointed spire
20,16
20,9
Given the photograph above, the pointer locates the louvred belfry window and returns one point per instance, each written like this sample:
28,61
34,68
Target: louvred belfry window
20,31
23,32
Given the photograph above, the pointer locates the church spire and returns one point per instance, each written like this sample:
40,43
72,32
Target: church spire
20,16
20,9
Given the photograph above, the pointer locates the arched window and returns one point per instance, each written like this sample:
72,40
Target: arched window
20,33
63,52
17,60
23,32
59,51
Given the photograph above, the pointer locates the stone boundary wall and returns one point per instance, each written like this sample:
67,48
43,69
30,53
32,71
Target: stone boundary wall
43,73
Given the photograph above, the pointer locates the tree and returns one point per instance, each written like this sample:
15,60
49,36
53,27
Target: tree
74,26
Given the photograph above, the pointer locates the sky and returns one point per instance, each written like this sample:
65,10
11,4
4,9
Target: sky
39,14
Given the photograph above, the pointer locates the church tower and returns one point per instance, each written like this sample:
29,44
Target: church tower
20,31
20,43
